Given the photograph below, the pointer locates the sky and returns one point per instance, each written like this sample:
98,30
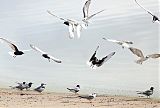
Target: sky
27,22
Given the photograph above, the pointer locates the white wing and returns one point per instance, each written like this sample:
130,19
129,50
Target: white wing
86,8
111,40
56,16
37,49
55,59
94,15
71,31
144,8
79,28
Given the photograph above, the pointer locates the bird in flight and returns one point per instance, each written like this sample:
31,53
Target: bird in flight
13,47
94,61
155,18
143,58
45,55
86,16
122,43
73,25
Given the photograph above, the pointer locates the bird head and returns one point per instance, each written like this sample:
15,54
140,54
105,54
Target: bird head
152,88
78,86
23,82
30,84
66,23
42,84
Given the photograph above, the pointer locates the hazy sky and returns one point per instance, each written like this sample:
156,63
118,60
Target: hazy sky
27,22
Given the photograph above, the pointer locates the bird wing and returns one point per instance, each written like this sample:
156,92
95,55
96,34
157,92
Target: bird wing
108,56
56,16
14,47
78,29
112,40
153,55
55,59
86,8
94,14
71,31
37,49
144,8
128,42
137,52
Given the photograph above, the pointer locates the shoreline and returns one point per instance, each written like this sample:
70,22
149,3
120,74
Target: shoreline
30,99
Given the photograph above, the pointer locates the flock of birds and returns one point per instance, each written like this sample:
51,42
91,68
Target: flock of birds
75,27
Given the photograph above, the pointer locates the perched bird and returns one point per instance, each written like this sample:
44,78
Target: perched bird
45,55
74,26
20,86
147,92
143,58
122,43
155,18
94,61
40,88
75,89
86,16
89,97
14,48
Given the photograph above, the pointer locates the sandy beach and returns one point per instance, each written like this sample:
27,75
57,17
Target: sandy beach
31,99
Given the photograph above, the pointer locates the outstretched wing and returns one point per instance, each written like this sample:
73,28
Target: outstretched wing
37,49
94,14
55,59
137,52
56,16
144,8
86,8
14,47
153,56
108,56
112,40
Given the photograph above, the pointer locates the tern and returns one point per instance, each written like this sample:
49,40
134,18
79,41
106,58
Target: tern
122,43
155,18
75,89
86,16
73,25
20,86
45,55
143,58
89,97
40,88
14,48
147,92
94,61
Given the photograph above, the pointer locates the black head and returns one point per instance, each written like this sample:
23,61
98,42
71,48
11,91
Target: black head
30,84
78,86
155,18
151,88
42,84
66,23
24,83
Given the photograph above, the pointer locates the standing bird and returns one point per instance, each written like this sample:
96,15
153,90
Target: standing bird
86,16
155,18
28,86
45,55
40,88
143,58
147,92
75,89
74,26
122,43
20,86
89,97
94,61
14,48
